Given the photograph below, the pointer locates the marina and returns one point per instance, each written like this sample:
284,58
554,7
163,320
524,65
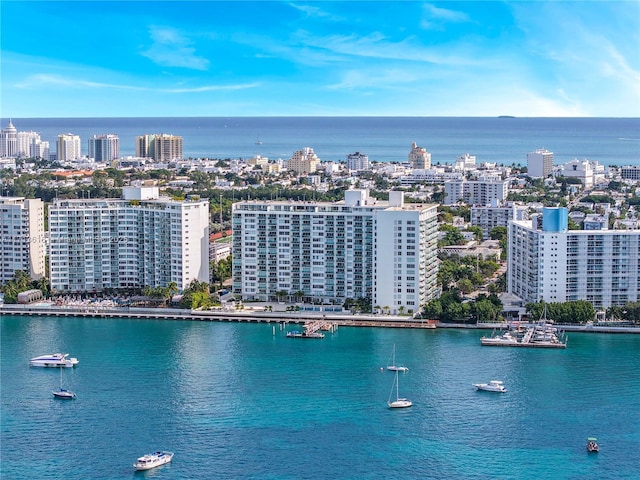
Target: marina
539,335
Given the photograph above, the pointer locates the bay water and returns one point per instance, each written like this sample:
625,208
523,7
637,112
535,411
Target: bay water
239,400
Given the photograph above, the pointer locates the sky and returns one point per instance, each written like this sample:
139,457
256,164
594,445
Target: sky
314,58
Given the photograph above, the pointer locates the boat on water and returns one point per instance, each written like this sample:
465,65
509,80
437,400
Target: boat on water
592,445
304,334
492,386
392,363
63,393
55,360
398,402
542,334
152,460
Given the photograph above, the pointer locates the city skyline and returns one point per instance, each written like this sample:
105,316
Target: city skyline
208,58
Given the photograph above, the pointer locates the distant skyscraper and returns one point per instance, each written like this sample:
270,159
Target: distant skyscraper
104,148
539,163
9,141
357,161
303,161
419,158
160,147
68,147
25,140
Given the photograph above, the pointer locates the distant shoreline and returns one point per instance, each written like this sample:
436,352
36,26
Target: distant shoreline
249,316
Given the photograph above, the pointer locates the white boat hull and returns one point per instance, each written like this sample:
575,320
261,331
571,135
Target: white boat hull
64,395
393,368
400,403
487,387
149,461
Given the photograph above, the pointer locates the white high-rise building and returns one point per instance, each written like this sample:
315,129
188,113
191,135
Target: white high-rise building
539,163
25,140
476,192
140,240
358,248
9,141
104,148
555,264
357,161
22,243
496,215
68,147
419,158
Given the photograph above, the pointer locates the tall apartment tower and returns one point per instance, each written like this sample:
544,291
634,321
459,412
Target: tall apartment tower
22,245
9,141
357,161
25,140
419,158
68,147
104,148
303,161
539,163
330,251
160,147
555,264
140,240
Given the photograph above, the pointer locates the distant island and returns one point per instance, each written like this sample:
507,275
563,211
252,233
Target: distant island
506,116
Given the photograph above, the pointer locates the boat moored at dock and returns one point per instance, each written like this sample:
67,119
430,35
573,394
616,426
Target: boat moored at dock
539,335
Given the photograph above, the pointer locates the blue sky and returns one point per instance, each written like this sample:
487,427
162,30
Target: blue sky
400,58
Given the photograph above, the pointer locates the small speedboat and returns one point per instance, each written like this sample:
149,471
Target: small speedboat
592,445
492,386
152,460
64,394
55,360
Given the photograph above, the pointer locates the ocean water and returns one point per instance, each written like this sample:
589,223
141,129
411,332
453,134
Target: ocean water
610,141
237,400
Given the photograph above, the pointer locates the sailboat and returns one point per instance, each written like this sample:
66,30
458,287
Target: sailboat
63,393
398,402
392,364
258,141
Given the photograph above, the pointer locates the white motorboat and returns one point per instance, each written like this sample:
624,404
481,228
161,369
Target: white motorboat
398,402
392,363
56,360
505,339
492,386
152,460
592,445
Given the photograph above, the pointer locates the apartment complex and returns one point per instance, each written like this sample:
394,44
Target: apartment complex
496,215
331,251
555,264
104,148
476,192
539,163
419,158
357,162
140,240
303,161
160,147
68,147
22,240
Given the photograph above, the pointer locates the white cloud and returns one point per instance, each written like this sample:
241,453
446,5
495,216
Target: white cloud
435,17
44,80
171,49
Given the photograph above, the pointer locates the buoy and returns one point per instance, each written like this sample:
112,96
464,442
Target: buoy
381,369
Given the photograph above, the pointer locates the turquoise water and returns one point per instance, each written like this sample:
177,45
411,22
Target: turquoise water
238,401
